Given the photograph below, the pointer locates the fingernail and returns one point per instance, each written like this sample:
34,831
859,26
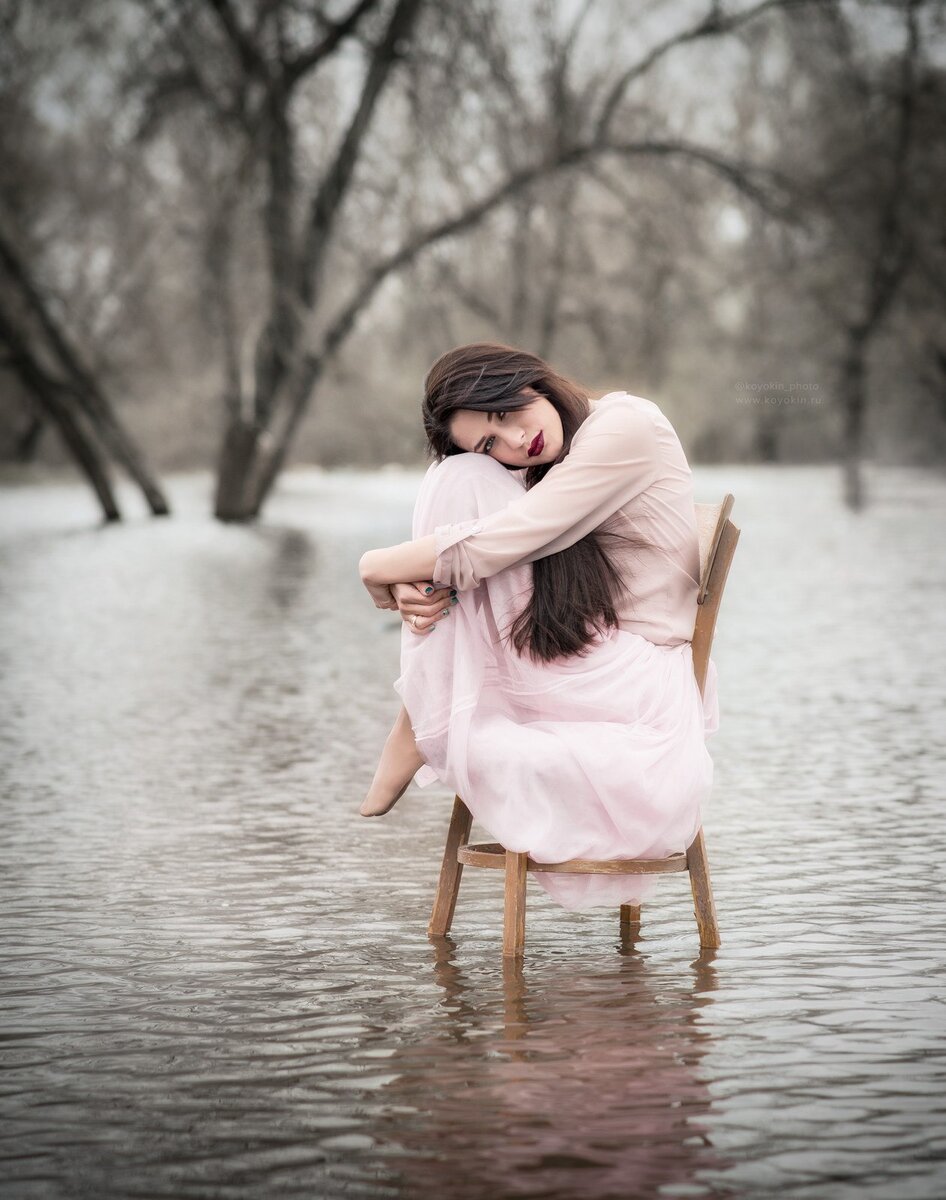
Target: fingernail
454,600
428,590
453,591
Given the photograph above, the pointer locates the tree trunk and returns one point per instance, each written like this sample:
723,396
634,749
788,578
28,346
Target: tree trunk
274,458
54,400
27,441
235,468
766,437
124,450
853,407
90,460
252,457
555,280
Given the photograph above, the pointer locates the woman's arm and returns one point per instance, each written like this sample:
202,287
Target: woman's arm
615,456
405,563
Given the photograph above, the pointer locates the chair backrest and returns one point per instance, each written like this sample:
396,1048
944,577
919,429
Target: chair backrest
718,538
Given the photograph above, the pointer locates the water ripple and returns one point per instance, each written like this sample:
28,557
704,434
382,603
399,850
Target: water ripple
214,977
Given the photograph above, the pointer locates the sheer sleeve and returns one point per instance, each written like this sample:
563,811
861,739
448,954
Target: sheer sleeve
614,457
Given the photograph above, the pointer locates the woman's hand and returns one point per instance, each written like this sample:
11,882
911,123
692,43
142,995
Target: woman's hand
380,593
413,601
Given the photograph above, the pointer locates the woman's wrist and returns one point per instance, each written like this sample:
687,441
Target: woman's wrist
367,566
404,563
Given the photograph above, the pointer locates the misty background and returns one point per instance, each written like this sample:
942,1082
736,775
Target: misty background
234,235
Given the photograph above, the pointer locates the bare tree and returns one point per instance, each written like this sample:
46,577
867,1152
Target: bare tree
887,259
267,62
67,388
870,215
264,70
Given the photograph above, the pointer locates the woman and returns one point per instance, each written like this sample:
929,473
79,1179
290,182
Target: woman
557,694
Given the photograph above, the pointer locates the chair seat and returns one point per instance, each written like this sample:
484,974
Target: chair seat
492,854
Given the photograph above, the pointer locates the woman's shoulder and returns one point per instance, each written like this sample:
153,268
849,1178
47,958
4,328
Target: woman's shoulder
636,421
620,404
622,415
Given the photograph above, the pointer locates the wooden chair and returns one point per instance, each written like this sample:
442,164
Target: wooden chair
718,538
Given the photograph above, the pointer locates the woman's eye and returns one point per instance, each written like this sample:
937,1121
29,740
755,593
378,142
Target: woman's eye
488,444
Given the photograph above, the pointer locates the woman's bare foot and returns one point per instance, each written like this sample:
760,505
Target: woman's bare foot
400,762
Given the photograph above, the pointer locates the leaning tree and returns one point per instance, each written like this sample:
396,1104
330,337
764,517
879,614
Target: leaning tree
44,222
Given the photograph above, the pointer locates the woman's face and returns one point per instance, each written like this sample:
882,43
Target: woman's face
509,436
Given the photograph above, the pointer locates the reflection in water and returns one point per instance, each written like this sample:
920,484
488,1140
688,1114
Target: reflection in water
293,562
588,1084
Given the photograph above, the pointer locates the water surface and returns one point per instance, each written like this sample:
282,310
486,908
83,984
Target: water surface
216,980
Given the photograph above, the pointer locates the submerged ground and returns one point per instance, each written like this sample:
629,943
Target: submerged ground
216,980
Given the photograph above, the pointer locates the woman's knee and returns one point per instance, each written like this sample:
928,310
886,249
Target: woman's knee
470,470
468,485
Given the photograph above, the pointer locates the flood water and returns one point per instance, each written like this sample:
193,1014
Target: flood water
216,980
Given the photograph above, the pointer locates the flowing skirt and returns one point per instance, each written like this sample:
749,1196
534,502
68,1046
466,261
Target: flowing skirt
602,756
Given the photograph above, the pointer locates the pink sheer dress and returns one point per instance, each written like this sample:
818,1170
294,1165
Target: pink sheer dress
601,756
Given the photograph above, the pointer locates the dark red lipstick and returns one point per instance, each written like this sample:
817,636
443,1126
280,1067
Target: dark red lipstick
538,443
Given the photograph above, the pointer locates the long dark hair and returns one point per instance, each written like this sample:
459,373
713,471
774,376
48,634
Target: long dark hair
576,591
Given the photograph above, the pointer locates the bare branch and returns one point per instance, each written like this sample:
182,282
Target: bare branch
331,192
253,61
747,178
449,228
449,280
187,79
735,173
558,87
713,24
337,31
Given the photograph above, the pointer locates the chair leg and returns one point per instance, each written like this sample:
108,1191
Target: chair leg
704,907
630,915
448,886
514,908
